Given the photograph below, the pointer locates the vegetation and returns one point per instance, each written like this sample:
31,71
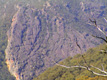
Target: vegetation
6,12
92,56
4,73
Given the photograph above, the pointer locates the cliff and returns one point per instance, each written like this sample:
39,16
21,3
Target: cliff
38,37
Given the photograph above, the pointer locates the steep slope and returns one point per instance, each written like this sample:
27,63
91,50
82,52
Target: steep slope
39,36
92,57
7,9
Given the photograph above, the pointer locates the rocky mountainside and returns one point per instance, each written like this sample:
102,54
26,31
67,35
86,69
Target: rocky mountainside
38,37
7,9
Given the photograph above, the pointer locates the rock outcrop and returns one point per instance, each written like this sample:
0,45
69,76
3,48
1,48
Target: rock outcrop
38,37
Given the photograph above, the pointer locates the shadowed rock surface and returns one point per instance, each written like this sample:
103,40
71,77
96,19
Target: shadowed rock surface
38,37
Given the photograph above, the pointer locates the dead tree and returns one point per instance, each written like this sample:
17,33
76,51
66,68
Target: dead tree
87,66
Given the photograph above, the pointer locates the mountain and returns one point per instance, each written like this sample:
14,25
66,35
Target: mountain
37,37
56,25
93,56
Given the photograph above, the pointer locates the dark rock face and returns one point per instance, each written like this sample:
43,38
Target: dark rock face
37,38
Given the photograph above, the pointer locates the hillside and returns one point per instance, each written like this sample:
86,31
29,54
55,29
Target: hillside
39,36
92,56
45,29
